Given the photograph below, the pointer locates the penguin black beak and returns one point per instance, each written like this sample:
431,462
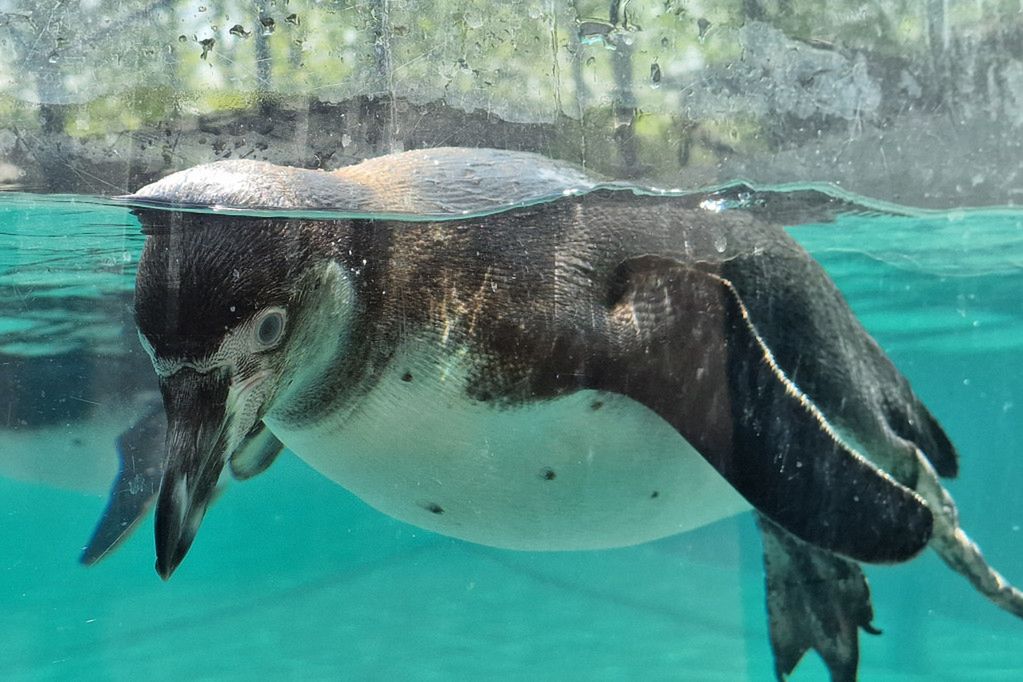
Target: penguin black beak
198,424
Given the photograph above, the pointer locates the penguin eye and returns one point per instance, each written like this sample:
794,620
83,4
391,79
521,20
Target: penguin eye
269,328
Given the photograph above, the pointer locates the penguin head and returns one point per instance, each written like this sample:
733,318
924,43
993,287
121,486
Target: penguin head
229,310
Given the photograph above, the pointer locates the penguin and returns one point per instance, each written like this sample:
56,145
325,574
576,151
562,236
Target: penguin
595,370
443,181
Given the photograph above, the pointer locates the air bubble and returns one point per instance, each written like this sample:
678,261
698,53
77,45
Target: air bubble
703,25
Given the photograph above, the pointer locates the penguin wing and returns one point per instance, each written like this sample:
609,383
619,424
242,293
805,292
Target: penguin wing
683,344
821,347
140,450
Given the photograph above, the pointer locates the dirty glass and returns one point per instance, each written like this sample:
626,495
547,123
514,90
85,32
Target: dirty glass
883,137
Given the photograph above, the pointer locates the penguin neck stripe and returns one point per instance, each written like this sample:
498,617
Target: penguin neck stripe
165,367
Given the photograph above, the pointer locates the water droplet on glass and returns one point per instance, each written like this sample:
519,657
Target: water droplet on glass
720,243
202,8
182,38
239,30
207,45
53,58
136,484
591,61
293,19
665,42
703,25
655,74
593,32
268,25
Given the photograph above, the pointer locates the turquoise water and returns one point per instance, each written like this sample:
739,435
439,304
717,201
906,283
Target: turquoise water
291,576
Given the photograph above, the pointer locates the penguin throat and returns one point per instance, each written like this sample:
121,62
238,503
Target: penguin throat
320,340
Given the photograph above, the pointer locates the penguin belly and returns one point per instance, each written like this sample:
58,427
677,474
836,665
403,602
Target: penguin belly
588,470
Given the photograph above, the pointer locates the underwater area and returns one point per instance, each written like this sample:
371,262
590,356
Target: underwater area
292,576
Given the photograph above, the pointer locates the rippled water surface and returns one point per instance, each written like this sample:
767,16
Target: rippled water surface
292,576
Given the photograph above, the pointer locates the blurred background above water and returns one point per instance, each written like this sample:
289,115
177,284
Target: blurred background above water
913,102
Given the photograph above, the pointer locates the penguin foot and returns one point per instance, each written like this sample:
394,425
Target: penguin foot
956,548
815,600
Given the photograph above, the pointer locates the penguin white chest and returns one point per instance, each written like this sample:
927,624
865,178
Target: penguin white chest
585,471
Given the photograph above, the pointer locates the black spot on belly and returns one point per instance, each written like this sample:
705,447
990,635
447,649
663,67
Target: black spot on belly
432,507
407,376
596,405
548,474
654,495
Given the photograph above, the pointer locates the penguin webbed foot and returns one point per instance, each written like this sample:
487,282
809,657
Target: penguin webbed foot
958,551
815,600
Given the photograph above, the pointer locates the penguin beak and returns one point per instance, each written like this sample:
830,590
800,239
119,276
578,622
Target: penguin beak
198,427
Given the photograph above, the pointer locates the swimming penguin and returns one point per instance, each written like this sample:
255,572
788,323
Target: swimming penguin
594,371
438,182
432,182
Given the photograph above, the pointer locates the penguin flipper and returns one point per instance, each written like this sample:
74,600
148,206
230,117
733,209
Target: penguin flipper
683,345
140,450
256,453
815,600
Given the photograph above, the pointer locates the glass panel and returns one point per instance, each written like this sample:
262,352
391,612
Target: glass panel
882,137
